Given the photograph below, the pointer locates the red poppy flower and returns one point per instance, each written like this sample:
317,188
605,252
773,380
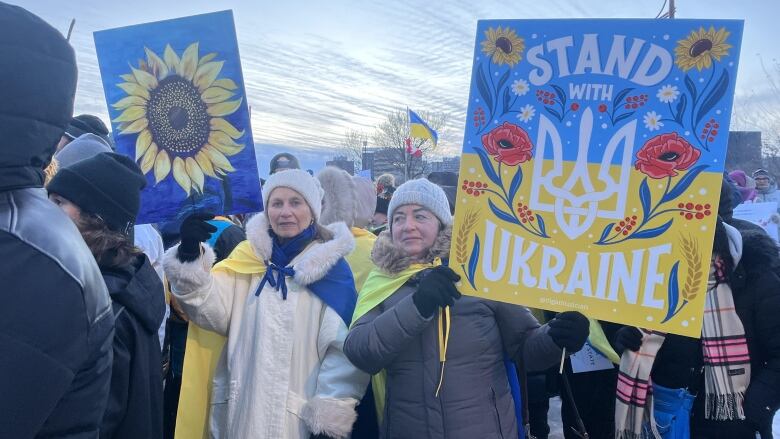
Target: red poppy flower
664,155
508,144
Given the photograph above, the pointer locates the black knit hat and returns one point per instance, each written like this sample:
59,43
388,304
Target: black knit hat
108,185
283,161
86,123
381,205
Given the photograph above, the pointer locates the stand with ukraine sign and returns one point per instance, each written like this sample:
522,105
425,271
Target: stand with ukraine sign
591,167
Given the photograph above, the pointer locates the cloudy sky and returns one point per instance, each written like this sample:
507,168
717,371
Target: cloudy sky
314,69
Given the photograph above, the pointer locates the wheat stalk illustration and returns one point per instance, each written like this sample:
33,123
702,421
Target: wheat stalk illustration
694,274
462,239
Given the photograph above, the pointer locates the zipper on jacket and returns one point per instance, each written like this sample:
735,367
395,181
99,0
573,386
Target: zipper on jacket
495,410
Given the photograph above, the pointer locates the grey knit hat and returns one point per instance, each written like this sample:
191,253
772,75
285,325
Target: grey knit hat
424,193
84,147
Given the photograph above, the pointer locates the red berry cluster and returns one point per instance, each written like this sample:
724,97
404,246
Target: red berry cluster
545,97
710,130
575,106
525,213
602,108
626,225
634,102
697,211
479,117
475,188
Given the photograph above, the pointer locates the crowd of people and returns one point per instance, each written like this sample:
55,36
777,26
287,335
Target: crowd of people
330,314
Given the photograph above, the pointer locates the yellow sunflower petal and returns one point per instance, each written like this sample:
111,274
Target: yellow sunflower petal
195,173
219,161
205,164
128,102
147,162
132,113
206,58
136,126
134,89
219,124
224,108
180,175
171,59
206,74
189,62
215,95
224,143
127,77
162,166
159,68
142,143
144,79
225,83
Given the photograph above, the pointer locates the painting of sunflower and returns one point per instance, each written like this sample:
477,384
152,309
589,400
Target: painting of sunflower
176,105
700,47
503,45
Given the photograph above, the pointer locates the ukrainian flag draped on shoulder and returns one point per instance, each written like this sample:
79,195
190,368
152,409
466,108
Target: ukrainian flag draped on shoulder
420,130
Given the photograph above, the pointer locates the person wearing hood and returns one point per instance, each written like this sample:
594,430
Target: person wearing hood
725,384
102,195
84,124
443,355
284,299
766,187
745,184
56,324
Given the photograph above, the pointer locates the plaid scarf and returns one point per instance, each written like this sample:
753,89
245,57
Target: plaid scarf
725,354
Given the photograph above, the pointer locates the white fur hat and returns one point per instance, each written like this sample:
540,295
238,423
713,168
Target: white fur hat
424,193
300,181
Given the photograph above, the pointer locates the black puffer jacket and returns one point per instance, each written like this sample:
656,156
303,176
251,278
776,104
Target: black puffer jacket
56,324
135,402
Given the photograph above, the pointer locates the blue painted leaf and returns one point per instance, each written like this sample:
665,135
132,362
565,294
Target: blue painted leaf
487,166
515,184
507,101
554,113
502,80
619,97
673,293
484,88
644,197
473,261
605,233
714,96
689,84
542,227
652,233
683,183
621,117
681,106
503,216
561,94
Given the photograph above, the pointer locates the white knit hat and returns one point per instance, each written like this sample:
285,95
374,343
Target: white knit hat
424,193
300,181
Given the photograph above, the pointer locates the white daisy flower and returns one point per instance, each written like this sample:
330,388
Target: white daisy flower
520,87
527,113
653,121
668,94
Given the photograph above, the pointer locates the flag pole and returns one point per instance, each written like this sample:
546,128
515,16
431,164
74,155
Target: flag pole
70,29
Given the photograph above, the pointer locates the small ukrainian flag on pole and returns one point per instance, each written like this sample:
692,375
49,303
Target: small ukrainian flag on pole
419,129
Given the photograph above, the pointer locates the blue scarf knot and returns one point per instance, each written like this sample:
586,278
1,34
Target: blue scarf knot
279,282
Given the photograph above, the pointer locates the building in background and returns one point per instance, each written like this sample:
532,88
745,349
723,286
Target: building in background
342,162
447,164
745,153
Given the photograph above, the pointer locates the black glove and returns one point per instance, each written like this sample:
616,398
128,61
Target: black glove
194,230
627,337
321,436
569,330
436,288
761,402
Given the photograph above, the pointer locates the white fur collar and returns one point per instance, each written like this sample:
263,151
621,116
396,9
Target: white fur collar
315,261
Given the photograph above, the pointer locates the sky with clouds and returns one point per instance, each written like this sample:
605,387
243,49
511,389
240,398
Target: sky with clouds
314,69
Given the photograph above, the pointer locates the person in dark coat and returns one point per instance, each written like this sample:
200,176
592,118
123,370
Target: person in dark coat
56,324
679,364
101,195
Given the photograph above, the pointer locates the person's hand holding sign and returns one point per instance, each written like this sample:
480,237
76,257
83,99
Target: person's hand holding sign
436,289
193,231
569,330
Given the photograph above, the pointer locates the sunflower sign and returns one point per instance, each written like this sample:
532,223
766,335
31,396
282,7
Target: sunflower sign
592,165
176,98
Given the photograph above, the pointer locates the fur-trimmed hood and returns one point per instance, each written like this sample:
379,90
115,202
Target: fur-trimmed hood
314,262
339,202
392,259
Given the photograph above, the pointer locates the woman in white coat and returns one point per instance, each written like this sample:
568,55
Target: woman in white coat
284,298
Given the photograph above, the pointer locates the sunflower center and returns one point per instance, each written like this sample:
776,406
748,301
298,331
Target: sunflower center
505,44
178,117
669,156
700,47
505,144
